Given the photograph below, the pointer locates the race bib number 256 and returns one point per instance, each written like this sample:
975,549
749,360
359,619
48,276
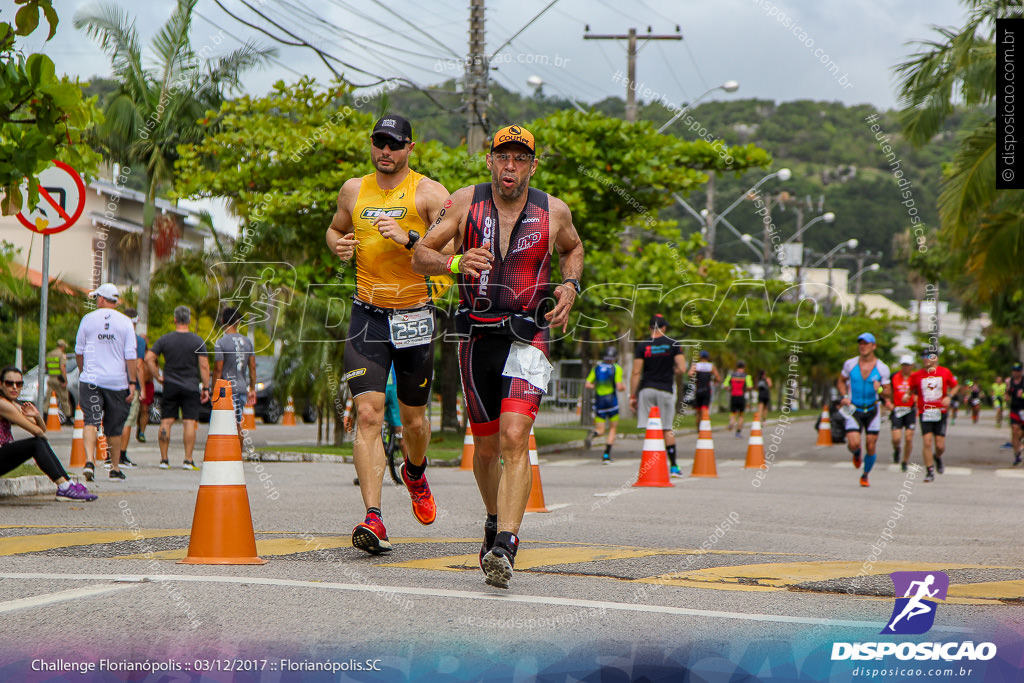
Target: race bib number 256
412,329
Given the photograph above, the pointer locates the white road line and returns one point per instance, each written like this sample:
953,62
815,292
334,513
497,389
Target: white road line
469,595
958,470
73,594
571,463
790,463
1012,474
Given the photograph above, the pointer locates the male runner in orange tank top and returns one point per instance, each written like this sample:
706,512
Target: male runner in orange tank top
380,218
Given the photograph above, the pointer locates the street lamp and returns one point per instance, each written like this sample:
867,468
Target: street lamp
750,240
848,244
873,267
827,217
728,86
537,82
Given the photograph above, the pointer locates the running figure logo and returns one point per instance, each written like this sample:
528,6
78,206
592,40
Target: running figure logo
914,613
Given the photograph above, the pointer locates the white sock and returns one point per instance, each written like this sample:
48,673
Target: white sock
65,486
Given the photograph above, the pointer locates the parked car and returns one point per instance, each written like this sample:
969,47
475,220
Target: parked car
29,391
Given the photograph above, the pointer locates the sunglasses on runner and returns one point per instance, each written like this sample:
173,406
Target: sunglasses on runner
382,141
16,385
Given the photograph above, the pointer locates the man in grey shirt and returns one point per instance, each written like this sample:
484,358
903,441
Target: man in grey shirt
234,359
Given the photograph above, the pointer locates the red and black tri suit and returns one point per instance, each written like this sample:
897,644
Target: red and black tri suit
504,305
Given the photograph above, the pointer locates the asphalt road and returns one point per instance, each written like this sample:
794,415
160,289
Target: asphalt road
740,573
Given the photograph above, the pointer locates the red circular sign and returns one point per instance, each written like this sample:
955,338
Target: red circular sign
62,200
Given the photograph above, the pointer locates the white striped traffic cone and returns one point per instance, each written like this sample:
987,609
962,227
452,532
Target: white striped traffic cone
222,531
536,502
704,459
78,440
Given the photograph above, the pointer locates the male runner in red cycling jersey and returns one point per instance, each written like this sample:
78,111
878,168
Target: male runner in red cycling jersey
504,233
933,386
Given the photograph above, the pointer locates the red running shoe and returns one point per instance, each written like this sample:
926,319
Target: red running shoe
856,461
371,536
423,506
864,480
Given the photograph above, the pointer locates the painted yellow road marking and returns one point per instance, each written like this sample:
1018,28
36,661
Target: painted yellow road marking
276,547
991,590
15,545
779,576
528,558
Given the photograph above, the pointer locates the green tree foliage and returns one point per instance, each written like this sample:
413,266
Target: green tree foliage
42,117
983,226
156,109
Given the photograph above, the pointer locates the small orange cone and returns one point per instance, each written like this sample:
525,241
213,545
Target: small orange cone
468,447
53,414
704,459
78,440
222,530
458,409
824,429
536,502
654,460
289,414
248,418
755,446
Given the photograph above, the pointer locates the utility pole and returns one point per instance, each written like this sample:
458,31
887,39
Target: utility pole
766,245
709,219
631,52
475,91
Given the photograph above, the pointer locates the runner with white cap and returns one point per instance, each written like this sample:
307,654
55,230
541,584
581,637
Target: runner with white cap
902,415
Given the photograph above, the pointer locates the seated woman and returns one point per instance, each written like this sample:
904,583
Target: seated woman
13,453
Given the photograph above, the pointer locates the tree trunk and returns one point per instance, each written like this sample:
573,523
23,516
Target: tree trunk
449,374
146,258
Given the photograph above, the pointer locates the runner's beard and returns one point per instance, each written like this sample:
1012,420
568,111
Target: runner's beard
513,194
394,168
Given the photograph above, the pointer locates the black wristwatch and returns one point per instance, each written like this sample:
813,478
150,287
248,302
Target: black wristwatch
414,237
575,284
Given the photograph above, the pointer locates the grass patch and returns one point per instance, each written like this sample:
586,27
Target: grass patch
443,446
26,469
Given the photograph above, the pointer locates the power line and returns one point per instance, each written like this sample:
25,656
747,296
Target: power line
244,42
525,26
696,68
412,25
672,72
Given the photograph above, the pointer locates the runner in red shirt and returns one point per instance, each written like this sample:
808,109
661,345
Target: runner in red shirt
932,387
902,415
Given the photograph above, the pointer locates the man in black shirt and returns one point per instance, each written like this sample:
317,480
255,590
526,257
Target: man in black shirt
186,378
653,383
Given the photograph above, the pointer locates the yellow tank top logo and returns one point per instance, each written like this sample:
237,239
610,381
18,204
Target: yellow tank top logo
372,212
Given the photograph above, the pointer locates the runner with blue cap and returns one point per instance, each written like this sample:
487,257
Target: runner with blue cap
863,383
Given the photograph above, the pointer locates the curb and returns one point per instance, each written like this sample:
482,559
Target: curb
292,456
34,485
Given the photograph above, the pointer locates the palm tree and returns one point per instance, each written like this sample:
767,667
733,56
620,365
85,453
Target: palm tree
157,109
983,225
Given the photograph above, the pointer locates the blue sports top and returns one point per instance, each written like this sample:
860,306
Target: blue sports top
863,392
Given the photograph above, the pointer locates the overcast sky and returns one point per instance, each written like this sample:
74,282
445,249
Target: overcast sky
776,50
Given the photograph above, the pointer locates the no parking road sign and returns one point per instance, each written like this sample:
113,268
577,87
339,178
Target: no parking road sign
61,201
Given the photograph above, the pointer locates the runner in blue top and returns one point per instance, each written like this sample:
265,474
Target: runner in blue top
864,384
605,379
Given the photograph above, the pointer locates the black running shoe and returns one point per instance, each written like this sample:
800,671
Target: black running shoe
895,458
1017,458
930,476
938,465
90,471
903,466
116,474
125,462
490,533
499,560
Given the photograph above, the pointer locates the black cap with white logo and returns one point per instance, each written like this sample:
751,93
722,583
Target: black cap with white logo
395,126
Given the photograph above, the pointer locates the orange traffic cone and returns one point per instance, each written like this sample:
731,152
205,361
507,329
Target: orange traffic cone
289,414
53,414
458,409
824,429
222,530
78,440
536,502
704,459
468,446
755,446
654,460
248,418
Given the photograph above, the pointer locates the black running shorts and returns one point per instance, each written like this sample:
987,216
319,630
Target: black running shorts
938,427
178,400
369,355
108,407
